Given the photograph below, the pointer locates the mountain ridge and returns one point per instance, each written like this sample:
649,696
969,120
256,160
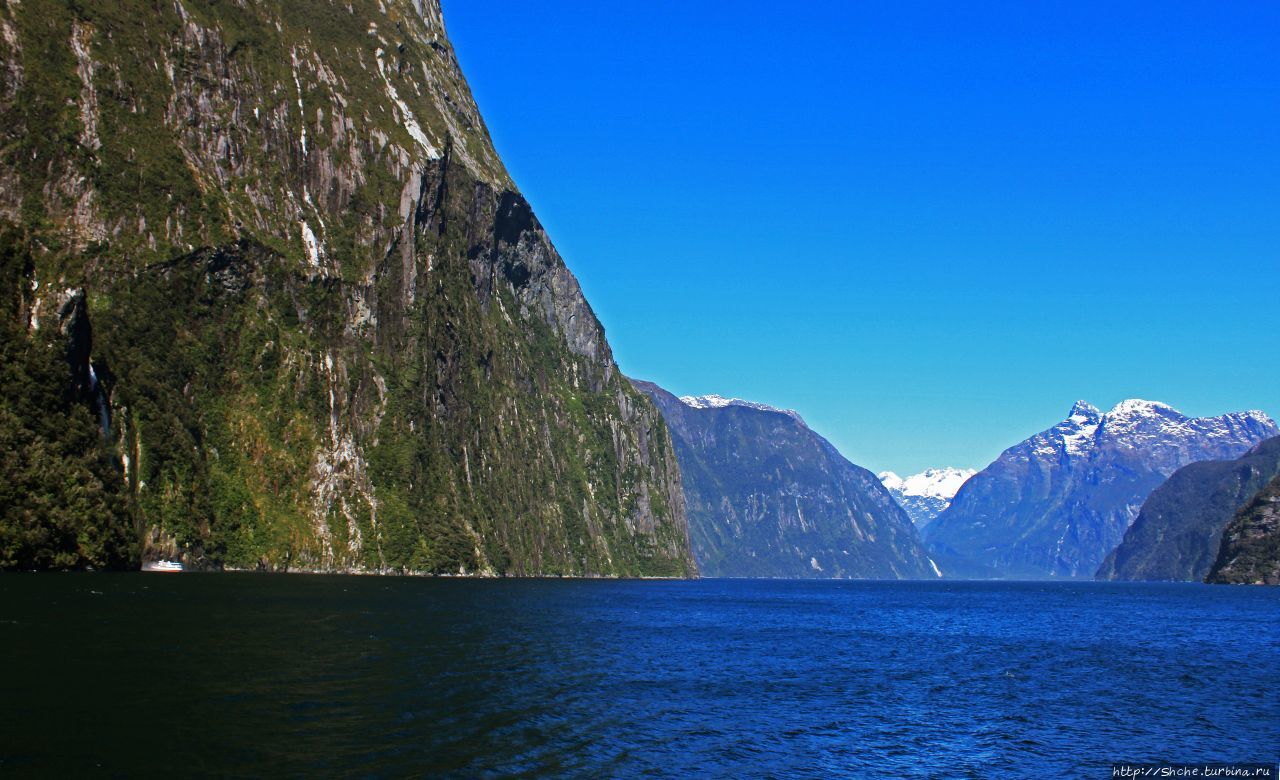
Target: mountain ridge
768,497
1056,503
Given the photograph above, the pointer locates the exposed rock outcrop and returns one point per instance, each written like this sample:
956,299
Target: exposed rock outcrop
1250,550
339,338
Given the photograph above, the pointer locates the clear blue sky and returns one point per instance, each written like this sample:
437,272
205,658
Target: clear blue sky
928,228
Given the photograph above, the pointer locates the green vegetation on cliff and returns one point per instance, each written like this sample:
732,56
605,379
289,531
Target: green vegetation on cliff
1250,550
1179,530
62,496
330,334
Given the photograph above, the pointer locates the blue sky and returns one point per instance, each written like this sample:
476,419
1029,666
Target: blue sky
930,229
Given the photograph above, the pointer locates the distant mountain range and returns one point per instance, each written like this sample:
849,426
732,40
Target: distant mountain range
1178,532
768,497
925,495
1056,504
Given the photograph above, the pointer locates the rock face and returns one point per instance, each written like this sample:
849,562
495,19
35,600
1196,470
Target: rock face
332,334
1057,503
924,496
1250,551
1179,530
768,497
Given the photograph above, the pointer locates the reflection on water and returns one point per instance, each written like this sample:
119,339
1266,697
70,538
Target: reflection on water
248,674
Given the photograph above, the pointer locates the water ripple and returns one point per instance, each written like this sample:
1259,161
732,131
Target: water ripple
242,675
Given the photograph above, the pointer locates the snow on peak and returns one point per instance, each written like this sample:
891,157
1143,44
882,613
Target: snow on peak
1083,410
925,495
933,483
1259,415
714,401
1081,428
1137,422
891,480
1137,406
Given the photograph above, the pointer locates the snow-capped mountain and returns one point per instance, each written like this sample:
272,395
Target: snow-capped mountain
714,401
925,495
1057,503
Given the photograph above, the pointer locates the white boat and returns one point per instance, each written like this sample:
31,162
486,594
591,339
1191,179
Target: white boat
162,566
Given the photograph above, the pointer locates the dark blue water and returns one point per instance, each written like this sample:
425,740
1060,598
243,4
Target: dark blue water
299,675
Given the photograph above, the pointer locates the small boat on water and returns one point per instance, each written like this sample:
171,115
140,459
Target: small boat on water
162,566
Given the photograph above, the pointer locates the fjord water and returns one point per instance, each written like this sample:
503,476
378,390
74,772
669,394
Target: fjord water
239,674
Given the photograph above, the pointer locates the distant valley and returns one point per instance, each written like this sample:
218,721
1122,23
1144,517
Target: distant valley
925,495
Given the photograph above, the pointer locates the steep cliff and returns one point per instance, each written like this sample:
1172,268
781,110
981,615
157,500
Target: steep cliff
63,501
330,332
1179,530
1057,503
768,497
1250,549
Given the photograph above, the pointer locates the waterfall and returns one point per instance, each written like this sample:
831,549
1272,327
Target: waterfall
100,403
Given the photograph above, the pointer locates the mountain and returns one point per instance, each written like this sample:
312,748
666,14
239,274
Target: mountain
1250,549
768,497
1179,530
1057,503
302,318
926,494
